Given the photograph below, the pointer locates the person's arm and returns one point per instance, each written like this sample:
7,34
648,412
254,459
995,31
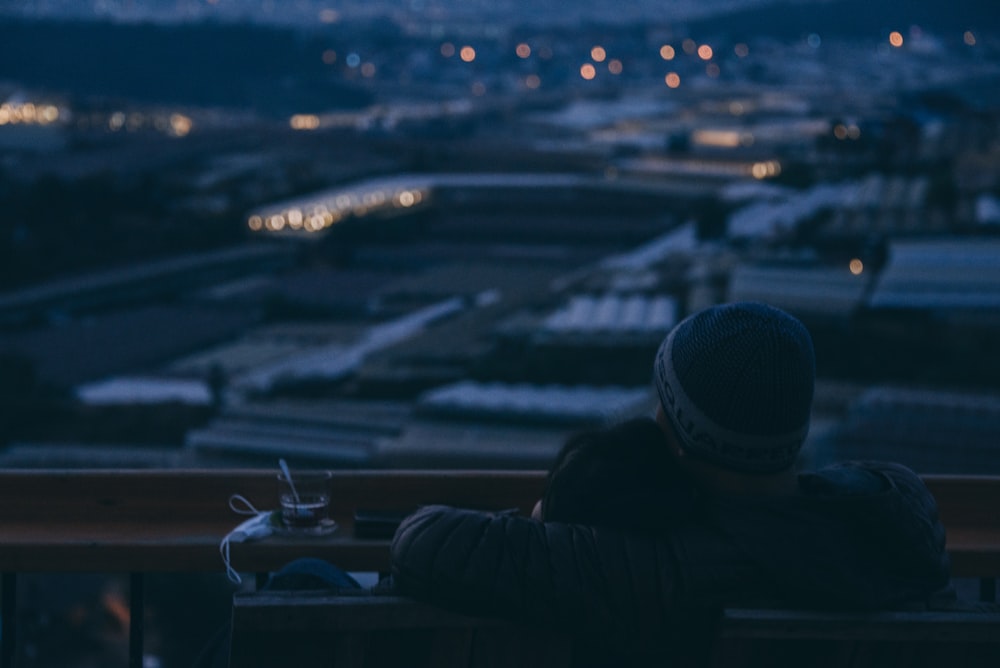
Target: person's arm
557,575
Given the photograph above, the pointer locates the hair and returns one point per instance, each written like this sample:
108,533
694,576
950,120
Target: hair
621,476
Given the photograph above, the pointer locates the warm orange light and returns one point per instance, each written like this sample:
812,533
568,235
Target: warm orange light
741,50
598,54
969,38
304,122
673,80
689,46
667,52
255,223
587,71
705,52
468,54
447,49
840,131
763,170
523,50
615,66
180,124
896,38
716,138
532,81
856,266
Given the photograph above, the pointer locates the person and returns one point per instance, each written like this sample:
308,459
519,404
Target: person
734,385
617,476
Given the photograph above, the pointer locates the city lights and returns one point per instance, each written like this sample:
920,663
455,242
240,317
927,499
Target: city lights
689,46
667,52
523,50
741,50
673,80
842,132
705,52
896,39
180,125
712,70
329,57
598,54
467,54
304,122
447,49
28,113
588,71
615,66
969,38
532,81
856,267
717,138
317,215
765,170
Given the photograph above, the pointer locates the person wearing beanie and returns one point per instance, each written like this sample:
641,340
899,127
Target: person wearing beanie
727,516
735,388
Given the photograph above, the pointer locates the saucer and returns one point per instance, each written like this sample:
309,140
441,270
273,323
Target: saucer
324,528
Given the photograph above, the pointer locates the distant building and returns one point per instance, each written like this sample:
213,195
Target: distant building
941,275
807,291
931,431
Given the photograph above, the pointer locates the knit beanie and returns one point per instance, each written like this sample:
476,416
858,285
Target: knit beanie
736,382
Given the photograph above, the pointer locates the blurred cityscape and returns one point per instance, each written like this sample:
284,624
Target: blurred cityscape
448,234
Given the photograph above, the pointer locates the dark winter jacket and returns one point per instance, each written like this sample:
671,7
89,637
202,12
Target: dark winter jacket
857,536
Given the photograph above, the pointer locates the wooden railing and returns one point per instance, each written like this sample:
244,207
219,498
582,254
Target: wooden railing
141,521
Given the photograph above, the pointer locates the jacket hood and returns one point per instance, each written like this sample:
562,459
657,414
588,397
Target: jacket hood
858,535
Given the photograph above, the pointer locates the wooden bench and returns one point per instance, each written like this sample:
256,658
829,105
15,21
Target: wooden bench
360,630
342,630
794,638
141,521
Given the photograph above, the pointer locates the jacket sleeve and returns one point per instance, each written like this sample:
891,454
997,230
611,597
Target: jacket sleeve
578,578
